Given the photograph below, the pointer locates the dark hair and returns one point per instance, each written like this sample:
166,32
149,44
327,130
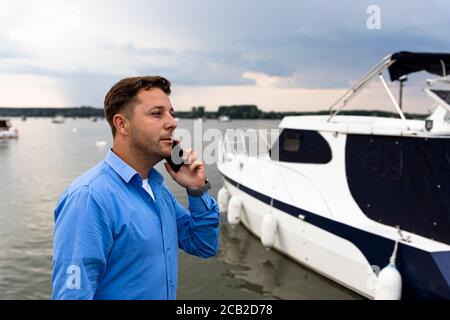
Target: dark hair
123,95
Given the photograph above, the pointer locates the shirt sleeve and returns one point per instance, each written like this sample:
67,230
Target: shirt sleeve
198,228
82,241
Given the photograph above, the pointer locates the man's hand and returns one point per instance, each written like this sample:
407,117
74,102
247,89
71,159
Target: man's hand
191,174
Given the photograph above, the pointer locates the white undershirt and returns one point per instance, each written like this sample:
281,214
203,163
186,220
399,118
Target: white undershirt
147,188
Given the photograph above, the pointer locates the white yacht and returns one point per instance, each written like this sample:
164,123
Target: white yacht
7,131
364,201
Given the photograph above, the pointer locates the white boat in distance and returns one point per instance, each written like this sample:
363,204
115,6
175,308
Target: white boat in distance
348,196
224,118
7,131
58,119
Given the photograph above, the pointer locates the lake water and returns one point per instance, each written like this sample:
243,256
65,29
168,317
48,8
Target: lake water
37,167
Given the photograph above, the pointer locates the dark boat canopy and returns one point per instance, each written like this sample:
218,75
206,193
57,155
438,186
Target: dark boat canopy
409,62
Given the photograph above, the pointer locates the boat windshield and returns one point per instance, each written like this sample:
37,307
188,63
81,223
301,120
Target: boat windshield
4,124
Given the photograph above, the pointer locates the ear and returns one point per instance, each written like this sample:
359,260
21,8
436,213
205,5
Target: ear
121,124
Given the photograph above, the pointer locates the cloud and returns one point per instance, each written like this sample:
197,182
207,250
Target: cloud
10,49
30,91
86,46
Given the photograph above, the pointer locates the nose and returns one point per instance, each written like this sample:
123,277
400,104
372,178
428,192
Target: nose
170,123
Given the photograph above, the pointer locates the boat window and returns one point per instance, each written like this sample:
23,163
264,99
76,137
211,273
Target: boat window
301,146
292,142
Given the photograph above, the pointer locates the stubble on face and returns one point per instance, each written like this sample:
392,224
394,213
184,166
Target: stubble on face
145,137
141,145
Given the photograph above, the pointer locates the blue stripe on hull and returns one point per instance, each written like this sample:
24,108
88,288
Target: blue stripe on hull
425,275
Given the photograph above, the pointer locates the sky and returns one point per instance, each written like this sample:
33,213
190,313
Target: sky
280,55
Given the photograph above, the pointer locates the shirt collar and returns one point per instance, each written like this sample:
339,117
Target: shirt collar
125,171
155,175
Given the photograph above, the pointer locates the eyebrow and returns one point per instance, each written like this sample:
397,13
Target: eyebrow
161,107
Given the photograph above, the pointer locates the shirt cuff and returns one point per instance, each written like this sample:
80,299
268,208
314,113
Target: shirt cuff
200,203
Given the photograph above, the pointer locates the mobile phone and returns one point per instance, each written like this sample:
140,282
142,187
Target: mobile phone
175,159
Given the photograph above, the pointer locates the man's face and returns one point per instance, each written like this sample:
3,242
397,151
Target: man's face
152,124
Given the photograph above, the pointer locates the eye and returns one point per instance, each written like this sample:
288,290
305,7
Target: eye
156,113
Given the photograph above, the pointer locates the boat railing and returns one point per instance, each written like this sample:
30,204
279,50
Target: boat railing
249,142
279,170
351,93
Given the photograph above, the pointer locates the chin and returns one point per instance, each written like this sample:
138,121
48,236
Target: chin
166,152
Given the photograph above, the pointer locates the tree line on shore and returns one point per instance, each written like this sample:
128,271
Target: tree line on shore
233,112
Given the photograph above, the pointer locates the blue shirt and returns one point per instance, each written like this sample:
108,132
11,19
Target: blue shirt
113,241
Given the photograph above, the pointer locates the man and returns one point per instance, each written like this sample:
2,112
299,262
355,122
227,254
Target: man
118,227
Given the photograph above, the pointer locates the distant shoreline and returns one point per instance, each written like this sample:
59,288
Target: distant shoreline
233,112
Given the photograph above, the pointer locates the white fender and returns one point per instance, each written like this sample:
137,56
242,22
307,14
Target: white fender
389,284
268,230
222,198
234,211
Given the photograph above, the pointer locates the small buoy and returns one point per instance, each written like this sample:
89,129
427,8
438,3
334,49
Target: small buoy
268,230
389,284
222,198
234,211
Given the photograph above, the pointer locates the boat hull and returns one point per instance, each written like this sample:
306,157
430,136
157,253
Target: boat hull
8,134
345,254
